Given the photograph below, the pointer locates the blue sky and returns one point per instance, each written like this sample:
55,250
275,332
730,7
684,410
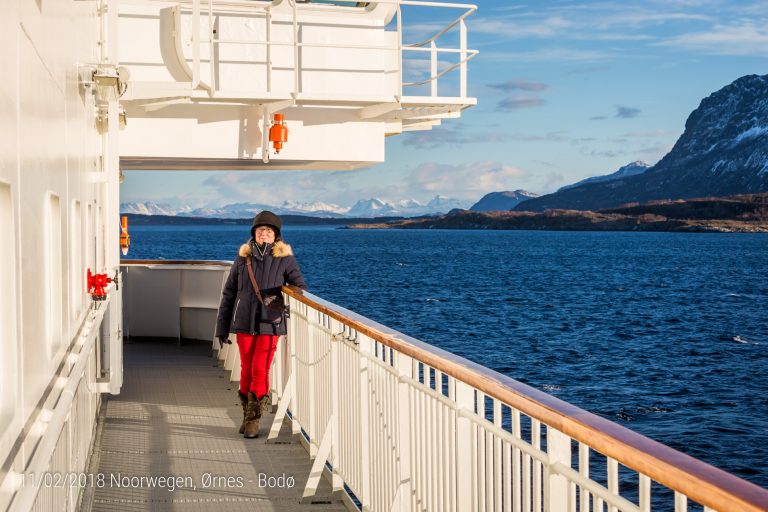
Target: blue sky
566,90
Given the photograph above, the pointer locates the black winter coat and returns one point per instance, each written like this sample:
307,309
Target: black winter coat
240,310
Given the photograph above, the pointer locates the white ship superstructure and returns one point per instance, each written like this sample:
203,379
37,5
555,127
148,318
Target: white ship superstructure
95,87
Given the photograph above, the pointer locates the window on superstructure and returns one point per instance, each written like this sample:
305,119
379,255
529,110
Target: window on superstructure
90,239
8,331
54,282
76,274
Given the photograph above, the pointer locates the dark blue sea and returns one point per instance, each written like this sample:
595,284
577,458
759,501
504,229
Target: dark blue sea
665,333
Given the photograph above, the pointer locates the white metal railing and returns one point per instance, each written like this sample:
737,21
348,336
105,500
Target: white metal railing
212,8
55,475
408,427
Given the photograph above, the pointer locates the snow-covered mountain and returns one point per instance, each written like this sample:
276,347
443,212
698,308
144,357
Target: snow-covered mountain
376,207
373,207
151,208
500,201
245,210
632,169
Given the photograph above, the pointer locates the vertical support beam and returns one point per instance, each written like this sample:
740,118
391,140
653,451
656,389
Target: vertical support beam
211,52
295,50
465,400
463,59
433,68
112,212
195,43
268,21
558,452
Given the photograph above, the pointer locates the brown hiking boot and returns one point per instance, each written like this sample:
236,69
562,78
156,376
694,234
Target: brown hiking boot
252,415
264,404
244,403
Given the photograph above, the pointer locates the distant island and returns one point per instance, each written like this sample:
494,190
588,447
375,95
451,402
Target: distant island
733,214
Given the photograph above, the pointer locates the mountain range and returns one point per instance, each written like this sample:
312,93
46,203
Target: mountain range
373,207
723,151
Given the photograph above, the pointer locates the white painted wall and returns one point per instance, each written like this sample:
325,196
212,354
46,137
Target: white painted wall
48,151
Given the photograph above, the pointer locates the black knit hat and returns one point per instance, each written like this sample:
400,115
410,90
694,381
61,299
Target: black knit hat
267,218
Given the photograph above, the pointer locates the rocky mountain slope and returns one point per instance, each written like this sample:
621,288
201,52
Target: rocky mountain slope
723,151
497,201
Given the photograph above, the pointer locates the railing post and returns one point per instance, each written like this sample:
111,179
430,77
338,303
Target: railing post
312,330
464,395
404,369
293,335
433,68
337,483
463,59
400,51
558,452
365,425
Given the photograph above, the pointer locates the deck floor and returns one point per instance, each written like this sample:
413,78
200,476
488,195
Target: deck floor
177,416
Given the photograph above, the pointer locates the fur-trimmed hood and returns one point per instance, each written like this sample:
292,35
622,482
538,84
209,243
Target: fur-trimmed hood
279,250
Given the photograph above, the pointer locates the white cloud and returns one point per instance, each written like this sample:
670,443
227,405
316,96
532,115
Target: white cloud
739,38
470,180
274,187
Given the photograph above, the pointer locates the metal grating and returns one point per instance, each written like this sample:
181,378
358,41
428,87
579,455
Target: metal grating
177,417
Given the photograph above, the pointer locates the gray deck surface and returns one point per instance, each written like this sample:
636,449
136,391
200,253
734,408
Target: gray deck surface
177,416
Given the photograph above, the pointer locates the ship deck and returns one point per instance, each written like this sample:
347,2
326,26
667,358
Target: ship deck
177,416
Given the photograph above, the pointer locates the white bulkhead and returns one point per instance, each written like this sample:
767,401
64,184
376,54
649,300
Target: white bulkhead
205,95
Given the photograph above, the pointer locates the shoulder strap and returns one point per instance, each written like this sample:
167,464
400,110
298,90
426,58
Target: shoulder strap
253,280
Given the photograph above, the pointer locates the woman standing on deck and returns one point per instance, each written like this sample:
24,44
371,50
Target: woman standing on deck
242,311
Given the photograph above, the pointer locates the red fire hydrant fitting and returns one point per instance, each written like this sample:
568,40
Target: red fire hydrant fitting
97,284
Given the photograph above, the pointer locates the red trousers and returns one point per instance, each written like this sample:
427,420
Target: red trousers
256,354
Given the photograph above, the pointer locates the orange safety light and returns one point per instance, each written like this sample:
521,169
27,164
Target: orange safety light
125,238
278,133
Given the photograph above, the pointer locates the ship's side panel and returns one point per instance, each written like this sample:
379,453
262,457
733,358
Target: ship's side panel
10,423
49,158
43,193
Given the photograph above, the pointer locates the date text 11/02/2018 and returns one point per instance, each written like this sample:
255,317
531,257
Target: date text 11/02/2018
168,482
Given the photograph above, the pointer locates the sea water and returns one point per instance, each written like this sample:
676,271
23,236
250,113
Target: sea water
664,333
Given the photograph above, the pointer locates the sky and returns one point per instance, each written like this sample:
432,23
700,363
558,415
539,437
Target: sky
565,89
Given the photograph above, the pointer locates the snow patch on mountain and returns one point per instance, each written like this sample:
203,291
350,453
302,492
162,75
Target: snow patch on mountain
755,131
632,169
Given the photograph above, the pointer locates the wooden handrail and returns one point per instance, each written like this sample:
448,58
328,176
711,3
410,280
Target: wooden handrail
196,263
701,482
